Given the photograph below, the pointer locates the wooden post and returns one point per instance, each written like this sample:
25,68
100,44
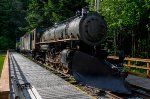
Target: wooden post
148,72
129,63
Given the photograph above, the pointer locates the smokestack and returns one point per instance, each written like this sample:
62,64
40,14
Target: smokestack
85,10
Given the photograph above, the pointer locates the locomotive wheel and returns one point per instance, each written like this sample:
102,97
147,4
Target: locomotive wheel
51,64
59,67
47,62
56,63
65,70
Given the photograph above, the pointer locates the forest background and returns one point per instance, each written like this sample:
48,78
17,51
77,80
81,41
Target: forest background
128,21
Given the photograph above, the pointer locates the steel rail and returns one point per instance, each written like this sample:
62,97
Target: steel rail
18,80
22,88
141,92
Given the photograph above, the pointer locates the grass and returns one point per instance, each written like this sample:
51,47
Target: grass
136,71
2,57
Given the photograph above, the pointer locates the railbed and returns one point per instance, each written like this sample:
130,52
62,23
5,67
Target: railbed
41,81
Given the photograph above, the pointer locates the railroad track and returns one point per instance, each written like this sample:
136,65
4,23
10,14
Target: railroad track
138,93
22,89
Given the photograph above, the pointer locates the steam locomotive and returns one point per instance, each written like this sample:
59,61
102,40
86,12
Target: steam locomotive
74,46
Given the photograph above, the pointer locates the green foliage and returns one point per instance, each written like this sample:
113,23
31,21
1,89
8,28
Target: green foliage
6,43
46,13
34,14
11,17
2,56
91,4
137,70
128,22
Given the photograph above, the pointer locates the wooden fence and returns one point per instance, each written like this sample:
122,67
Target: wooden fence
136,63
4,80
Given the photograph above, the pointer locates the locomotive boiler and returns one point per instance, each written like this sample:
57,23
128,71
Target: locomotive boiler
89,28
74,46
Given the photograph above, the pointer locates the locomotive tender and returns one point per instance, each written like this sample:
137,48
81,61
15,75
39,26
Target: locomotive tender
74,46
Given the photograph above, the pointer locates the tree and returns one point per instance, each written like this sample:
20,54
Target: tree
11,18
46,13
128,21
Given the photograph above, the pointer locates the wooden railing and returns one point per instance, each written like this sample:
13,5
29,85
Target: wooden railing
4,80
131,63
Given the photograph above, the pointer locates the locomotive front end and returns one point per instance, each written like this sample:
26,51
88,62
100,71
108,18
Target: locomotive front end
92,68
88,27
92,29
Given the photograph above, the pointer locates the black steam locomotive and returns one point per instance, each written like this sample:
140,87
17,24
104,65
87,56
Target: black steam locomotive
74,46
